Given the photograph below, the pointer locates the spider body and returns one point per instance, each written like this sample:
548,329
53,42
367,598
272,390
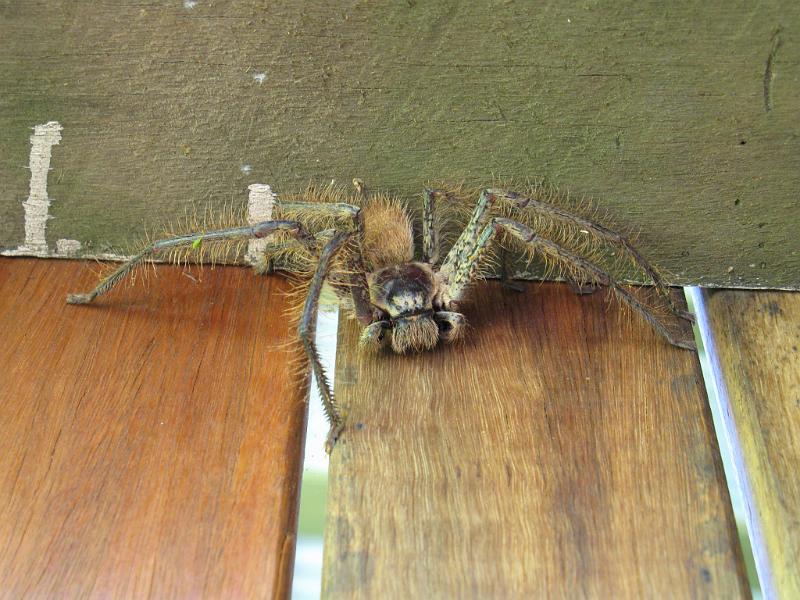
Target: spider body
363,247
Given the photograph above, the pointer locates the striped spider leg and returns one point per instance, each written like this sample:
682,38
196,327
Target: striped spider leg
191,240
308,322
461,265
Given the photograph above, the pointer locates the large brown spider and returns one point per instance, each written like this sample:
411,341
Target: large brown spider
363,246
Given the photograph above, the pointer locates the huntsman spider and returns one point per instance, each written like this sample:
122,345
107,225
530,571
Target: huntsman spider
362,245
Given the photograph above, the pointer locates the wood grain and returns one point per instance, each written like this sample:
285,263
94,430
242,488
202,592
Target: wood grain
150,446
754,339
564,451
659,110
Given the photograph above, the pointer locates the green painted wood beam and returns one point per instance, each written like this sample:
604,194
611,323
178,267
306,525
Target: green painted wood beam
680,118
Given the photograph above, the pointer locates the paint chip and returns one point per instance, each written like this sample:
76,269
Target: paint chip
259,77
37,205
66,247
246,169
260,203
189,4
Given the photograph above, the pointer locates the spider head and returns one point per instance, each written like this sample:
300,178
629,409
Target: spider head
405,295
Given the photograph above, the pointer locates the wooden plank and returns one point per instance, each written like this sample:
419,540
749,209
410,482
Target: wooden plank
754,342
681,119
150,446
562,451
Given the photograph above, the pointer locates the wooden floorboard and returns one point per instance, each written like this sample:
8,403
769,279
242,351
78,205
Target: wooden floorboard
150,446
563,451
754,339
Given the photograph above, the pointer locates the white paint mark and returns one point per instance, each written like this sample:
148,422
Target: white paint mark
260,203
189,4
67,247
37,206
109,256
246,169
259,77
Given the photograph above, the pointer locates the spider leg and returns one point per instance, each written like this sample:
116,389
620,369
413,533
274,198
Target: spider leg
356,285
469,236
430,234
560,254
259,230
374,334
307,331
604,233
465,244
296,209
267,267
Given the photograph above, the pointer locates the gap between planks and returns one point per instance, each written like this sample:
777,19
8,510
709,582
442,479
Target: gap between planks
754,341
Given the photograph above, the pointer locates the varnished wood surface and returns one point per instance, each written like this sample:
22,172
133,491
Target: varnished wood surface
564,451
755,338
679,117
150,446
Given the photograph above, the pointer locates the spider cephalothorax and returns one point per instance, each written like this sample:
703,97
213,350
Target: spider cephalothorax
411,303
363,246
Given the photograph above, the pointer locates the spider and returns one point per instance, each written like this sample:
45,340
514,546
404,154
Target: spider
362,245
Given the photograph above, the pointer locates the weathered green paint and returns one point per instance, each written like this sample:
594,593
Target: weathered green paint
658,110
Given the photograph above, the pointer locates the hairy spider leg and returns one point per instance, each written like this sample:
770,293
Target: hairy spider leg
331,210
479,216
314,213
259,230
465,244
430,235
307,330
530,237
356,285
373,334
602,232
